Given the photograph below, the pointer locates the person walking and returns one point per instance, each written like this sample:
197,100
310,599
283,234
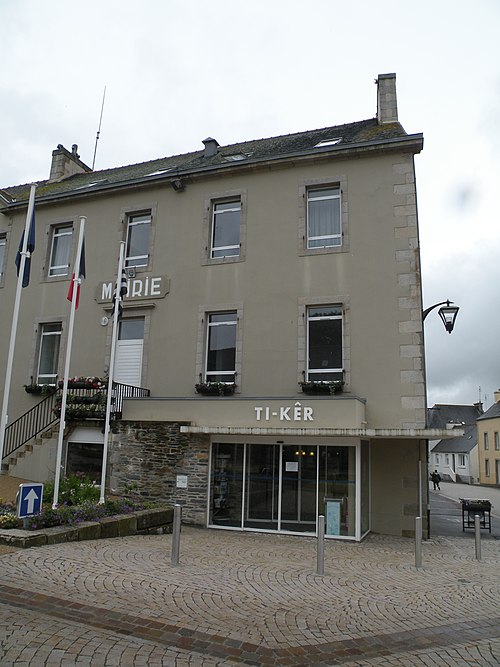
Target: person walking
435,479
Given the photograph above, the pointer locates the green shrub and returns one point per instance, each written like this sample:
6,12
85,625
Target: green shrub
73,490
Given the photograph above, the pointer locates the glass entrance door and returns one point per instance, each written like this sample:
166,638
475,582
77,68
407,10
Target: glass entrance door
262,485
298,488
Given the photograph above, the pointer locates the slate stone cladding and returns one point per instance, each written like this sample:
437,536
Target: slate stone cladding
152,454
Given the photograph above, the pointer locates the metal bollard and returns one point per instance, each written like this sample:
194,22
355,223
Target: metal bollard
477,531
418,541
176,535
320,557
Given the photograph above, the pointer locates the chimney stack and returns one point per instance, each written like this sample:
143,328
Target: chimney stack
387,103
211,147
496,395
66,164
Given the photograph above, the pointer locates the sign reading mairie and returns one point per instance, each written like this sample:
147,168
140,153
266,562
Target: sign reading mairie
144,287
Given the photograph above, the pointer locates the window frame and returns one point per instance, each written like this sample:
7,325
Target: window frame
130,221
487,469
213,248
3,258
211,327
486,438
56,233
42,378
306,186
497,441
204,310
462,461
334,197
211,201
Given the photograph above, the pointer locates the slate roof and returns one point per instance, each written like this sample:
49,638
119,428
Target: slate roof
366,133
441,414
492,412
461,445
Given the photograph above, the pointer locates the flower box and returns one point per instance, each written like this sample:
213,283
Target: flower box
215,388
38,389
85,383
334,387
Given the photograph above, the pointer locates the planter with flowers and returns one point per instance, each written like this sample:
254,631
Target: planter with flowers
83,407
40,389
322,387
85,383
215,388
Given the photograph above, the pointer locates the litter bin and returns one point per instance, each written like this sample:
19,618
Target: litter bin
473,506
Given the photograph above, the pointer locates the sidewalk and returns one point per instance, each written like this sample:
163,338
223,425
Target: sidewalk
250,599
457,491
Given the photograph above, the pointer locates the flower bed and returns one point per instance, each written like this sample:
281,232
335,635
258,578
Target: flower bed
215,388
334,387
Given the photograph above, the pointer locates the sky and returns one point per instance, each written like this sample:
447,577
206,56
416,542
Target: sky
176,72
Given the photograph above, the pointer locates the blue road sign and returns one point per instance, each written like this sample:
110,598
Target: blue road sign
29,500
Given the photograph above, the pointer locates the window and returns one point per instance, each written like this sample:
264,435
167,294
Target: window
62,238
48,358
324,343
447,458
461,460
323,218
3,244
487,467
497,441
138,239
221,347
226,218
437,459
486,441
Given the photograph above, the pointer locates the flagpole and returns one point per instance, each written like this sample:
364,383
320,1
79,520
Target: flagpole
116,312
15,317
62,419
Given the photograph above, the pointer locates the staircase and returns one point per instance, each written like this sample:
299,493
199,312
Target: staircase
31,428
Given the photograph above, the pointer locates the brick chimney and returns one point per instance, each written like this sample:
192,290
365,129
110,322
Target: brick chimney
387,103
65,164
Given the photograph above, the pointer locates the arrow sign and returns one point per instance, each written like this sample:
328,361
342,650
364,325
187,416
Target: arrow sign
29,500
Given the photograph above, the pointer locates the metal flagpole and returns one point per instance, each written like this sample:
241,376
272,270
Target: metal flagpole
62,420
116,313
15,317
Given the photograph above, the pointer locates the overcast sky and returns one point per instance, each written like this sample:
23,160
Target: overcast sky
176,72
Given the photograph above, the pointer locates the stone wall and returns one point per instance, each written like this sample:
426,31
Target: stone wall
151,455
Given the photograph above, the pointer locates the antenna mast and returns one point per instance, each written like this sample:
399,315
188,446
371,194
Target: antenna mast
99,130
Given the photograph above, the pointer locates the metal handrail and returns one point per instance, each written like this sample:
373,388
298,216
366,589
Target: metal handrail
30,424
45,413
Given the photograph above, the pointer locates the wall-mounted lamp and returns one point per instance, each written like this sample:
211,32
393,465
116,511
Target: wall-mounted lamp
448,314
178,184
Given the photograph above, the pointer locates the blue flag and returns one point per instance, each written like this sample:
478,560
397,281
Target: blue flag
29,248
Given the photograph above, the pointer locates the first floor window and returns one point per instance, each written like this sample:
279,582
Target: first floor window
226,218
60,251
138,239
497,441
48,357
437,459
324,343
461,460
221,347
486,441
323,218
3,243
487,467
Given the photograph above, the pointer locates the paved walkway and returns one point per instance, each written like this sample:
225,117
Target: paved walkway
250,599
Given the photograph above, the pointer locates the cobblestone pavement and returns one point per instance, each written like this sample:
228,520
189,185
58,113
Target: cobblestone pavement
250,599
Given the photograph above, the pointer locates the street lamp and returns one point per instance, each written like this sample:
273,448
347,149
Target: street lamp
447,313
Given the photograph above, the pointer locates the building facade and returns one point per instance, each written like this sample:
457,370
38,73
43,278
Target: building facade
488,435
455,459
273,315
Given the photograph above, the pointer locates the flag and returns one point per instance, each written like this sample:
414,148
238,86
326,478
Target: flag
81,275
30,247
122,291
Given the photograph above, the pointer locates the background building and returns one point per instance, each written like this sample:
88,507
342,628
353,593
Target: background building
488,429
273,318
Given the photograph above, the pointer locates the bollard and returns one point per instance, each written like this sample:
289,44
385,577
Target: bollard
320,558
477,531
176,535
418,541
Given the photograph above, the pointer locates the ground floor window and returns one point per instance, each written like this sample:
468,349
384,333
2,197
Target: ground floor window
85,458
284,487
